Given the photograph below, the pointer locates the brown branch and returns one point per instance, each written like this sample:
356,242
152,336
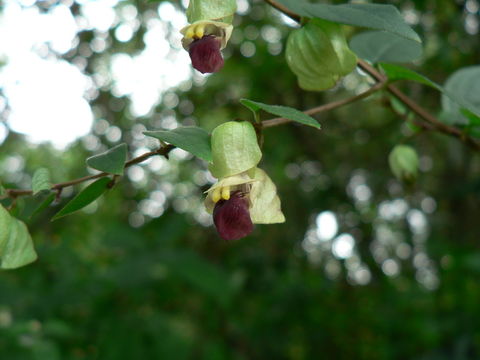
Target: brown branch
418,110
164,151
411,104
284,10
327,107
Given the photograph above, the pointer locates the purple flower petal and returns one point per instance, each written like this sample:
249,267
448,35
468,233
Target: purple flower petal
205,54
232,218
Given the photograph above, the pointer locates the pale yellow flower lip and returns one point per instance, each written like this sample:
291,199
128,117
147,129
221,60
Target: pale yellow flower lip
202,28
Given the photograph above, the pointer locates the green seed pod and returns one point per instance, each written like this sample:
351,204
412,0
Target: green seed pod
215,10
319,55
403,162
234,149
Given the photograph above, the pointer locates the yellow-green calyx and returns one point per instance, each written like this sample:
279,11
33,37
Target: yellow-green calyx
216,10
244,194
319,55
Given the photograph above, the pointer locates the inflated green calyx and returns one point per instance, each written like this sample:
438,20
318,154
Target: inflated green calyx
404,163
234,149
216,10
319,55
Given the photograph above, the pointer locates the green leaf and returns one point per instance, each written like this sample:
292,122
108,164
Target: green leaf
473,119
372,16
376,46
189,138
43,205
16,245
283,111
397,72
111,161
2,190
41,181
459,92
84,198
462,91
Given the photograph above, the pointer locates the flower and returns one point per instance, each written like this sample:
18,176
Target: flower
244,194
204,41
239,201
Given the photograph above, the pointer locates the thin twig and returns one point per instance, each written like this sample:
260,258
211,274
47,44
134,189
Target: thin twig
284,10
164,151
418,110
410,103
326,107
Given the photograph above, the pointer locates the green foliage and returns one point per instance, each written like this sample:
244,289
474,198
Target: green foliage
111,161
397,72
373,16
208,278
458,94
47,201
283,111
16,245
319,55
189,138
464,87
41,181
382,46
84,198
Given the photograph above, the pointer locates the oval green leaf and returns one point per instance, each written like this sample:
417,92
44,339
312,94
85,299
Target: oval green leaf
462,90
372,16
111,161
459,94
376,46
193,139
16,245
283,111
84,198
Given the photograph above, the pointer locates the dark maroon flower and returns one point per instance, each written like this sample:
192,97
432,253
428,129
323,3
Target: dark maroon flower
206,55
232,218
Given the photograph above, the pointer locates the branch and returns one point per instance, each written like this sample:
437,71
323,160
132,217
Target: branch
284,10
410,103
417,109
326,107
164,151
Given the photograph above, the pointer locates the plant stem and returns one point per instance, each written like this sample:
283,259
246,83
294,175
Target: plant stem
164,151
326,107
381,78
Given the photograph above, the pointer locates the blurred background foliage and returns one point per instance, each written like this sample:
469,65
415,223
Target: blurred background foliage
364,267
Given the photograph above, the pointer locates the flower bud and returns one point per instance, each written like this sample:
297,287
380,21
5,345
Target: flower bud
403,162
319,55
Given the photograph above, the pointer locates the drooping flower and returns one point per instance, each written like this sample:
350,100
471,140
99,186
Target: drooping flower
204,41
244,194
